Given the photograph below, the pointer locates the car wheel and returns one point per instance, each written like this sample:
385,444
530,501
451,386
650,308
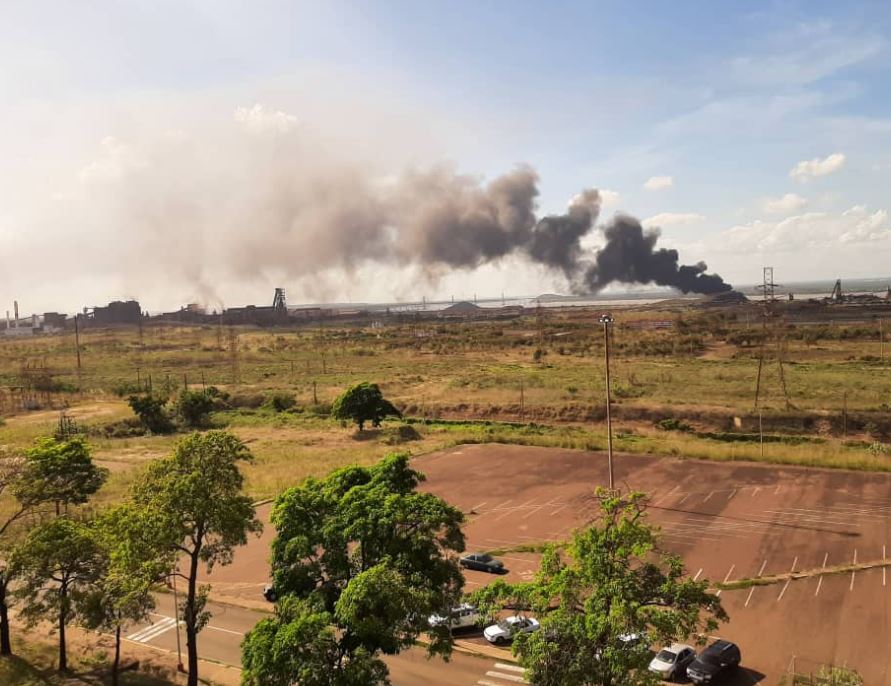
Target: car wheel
499,641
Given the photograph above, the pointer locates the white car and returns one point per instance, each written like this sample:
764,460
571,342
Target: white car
462,617
506,629
672,662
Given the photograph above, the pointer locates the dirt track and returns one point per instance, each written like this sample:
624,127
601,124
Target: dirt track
728,521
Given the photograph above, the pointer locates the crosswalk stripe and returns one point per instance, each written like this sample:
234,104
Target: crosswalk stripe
507,677
152,631
509,668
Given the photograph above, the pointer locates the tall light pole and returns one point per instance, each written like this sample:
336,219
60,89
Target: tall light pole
606,320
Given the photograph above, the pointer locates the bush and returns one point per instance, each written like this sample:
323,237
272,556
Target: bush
152,412
362,403
279,401
673,424
194,407
403,434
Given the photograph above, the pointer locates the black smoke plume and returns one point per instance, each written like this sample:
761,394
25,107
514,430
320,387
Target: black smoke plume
630,256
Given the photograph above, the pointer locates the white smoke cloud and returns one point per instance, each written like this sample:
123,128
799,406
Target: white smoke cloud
807,169
658,183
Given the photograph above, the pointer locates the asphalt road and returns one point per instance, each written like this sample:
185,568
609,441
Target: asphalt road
220,641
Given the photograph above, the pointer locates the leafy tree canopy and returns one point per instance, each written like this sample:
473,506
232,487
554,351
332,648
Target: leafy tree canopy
152,413
610,584
60,471
362,403
194,407
363,552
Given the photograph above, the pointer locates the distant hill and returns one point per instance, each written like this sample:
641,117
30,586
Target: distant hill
462,307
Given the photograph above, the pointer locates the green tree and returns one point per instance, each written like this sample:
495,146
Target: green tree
360,561
20,497
63,472
152,412
56,563
362,403
204,514
136,558
610,582
194,407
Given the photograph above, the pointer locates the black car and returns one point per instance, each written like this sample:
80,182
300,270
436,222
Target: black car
482,562
714,663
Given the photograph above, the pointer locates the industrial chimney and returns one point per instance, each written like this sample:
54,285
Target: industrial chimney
15,307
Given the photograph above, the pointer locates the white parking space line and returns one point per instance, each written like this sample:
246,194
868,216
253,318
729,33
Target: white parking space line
884,569
789,580
706,499
732,493
820,580
509,668
477,507
755,492
683,499
696,578
763,565
560,509
726,578
853,571
751,591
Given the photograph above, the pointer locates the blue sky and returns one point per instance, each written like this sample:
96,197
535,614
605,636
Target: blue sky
719,102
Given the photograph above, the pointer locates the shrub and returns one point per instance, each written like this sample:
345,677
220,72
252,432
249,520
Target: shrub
279,401
673,424
403,434
152,412
194,407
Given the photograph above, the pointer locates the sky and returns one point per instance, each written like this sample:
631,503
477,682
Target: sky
162,149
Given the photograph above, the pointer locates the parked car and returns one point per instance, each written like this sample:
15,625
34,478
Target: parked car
671,662
506,629
462,617
714,663
482,562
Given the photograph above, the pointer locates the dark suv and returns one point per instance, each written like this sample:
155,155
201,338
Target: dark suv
714,663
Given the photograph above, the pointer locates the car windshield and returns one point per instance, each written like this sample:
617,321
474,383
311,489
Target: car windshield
712,658
504,624
484,558
666,656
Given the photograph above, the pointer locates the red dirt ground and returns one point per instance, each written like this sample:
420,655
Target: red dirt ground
727,520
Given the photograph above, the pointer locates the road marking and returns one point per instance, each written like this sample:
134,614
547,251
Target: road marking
476,507
732,493
783,592
705,500
820,580
666,496
726,578
884,569
500,505
560,509
509,668
697,574
507,677
763,565
795,562
680,502
853,571
776,492
755,492
153,630
751,591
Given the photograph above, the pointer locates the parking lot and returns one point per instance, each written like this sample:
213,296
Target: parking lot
727,520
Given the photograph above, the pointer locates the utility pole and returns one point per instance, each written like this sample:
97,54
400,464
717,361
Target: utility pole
80,385
606,320
761,434
881,340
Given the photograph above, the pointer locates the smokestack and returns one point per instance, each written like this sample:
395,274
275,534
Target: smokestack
15,307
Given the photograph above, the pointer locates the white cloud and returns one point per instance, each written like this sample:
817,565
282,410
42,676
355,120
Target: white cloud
658,183
811,231
673,219
790,202
817,167
258,119
609,198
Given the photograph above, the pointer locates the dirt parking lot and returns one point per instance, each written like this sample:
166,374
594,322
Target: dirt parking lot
728,521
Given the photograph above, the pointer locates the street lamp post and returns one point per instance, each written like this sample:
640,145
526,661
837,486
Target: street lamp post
606,320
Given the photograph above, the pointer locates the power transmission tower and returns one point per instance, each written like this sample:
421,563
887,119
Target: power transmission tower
769,334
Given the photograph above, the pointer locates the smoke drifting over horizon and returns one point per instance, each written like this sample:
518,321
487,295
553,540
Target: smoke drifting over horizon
260,200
